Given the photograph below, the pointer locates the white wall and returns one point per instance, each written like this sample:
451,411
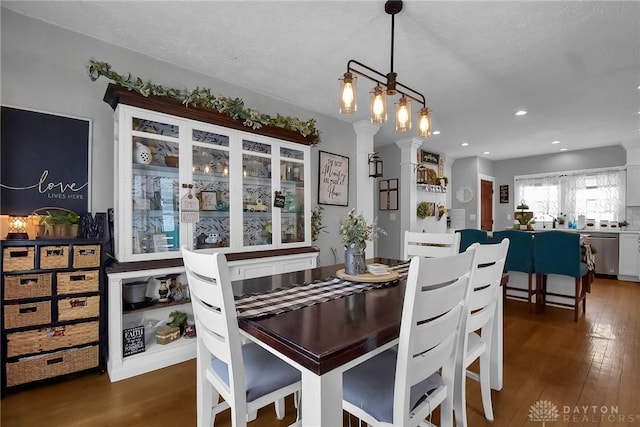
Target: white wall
44,68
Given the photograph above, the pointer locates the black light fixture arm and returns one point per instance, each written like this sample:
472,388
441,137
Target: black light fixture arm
389,81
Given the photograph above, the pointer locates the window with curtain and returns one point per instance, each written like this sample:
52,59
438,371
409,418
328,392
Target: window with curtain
597,194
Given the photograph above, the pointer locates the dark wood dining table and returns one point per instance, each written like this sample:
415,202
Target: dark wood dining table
326,339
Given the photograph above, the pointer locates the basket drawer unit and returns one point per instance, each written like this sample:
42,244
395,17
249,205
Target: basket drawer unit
78,308
18,258
75,282
49,339
27,314
86,256
51,365
27,286
54,257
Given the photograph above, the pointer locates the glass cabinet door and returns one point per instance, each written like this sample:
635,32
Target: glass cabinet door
292,224
210,172
154,173
256,194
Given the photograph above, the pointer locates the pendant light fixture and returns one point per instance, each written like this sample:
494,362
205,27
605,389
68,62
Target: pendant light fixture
386,85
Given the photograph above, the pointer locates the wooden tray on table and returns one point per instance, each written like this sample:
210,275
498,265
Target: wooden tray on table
368,277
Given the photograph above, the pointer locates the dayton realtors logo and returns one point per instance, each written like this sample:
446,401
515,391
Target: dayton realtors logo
543,410
546,411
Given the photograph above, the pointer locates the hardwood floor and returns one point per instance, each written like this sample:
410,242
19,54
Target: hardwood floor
592,367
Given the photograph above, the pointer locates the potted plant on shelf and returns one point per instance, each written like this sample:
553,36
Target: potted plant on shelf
623,224
59,223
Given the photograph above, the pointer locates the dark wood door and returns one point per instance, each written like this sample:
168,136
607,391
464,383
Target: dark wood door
486,205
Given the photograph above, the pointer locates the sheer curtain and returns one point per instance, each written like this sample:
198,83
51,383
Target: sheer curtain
600,195
541,194
597,194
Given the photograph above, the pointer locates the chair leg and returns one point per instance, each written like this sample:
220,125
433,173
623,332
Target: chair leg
252,415
459,397
576,307
485,385
280,412
530,291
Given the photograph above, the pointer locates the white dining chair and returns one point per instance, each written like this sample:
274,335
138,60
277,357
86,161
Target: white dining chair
403,387
247,376
480,311
430,245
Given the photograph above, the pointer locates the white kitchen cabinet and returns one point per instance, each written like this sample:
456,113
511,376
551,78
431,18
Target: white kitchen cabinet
629,267
235,175
633,189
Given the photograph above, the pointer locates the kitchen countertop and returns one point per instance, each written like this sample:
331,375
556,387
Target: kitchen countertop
596,230
628,230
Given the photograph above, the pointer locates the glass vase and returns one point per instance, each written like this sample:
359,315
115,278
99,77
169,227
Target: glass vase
354,263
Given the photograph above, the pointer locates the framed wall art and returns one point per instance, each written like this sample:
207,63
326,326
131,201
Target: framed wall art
388,194
426,157
504,194
333,179
209,200
45,160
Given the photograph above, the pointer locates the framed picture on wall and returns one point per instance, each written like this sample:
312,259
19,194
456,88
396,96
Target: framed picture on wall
504,194
209,200
426,157
45,160
388,194
333,179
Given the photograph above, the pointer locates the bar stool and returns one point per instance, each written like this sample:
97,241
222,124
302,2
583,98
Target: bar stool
469,236
519,258
559,252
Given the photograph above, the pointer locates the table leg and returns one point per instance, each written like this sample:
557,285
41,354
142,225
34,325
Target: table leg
497,346
321,399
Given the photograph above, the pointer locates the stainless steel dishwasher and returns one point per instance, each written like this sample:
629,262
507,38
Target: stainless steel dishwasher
606,252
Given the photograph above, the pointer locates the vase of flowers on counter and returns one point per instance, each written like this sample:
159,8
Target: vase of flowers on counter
355,232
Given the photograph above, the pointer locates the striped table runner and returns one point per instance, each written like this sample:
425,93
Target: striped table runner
292,298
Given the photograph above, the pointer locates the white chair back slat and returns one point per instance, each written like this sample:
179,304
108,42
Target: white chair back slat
483,316
208,325
430,245
432,363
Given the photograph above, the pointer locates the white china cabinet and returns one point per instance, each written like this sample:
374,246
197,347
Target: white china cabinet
250,188
189,176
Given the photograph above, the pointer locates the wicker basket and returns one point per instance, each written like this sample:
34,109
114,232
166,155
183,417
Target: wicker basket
28,314
54,257
18,258
75,282
85,256
49,339
78,308
27,286
51,365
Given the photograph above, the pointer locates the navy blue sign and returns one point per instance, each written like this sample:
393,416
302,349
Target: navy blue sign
44,162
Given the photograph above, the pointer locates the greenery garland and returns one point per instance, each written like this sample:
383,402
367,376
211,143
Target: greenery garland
202,97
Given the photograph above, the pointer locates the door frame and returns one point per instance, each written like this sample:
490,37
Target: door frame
482,177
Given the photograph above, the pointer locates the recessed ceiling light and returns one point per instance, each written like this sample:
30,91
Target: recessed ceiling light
563,149
486,152
520,113
555,142
436,132
465,144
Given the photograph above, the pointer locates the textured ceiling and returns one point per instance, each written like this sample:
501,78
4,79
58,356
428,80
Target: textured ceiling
575,66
